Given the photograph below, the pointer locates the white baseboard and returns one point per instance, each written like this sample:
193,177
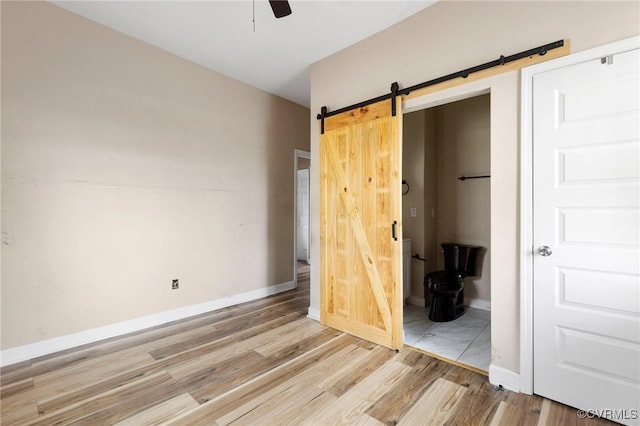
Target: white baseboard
485,305
507,378
45,347
415,300
476,303
314,314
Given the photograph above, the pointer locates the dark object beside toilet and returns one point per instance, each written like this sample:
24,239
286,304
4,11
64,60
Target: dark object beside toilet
447,286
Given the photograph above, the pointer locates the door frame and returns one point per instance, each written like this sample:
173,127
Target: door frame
447,96
526,193
299,153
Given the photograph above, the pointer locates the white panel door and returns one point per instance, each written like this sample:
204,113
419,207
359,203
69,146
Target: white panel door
302,205
586,174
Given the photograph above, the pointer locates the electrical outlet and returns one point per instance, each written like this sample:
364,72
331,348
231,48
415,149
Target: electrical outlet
175,284
414,212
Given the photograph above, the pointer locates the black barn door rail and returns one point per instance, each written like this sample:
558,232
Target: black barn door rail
396,91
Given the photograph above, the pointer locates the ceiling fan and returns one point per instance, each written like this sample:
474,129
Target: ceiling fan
280,8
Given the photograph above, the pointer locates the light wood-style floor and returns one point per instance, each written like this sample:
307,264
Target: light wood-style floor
261,362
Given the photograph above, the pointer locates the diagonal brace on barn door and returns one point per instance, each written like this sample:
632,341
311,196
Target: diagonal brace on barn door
361,239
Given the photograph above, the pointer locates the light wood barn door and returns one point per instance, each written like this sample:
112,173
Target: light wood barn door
360,220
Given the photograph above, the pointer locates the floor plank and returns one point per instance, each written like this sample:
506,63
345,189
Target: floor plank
308,381
162,412
353,404
436,405
506,415
390,408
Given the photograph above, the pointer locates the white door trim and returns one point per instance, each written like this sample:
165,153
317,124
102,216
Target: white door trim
297,153
526,193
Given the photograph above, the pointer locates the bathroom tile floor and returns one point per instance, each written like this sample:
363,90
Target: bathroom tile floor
466,339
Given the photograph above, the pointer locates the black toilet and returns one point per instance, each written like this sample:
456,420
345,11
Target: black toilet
447,286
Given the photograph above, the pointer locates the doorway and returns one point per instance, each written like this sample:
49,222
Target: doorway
302,215
446,150
301,240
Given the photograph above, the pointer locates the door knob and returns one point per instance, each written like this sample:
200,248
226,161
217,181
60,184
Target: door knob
544,251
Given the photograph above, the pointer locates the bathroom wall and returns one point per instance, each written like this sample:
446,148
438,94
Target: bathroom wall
413,159
432,249
418,168
463,207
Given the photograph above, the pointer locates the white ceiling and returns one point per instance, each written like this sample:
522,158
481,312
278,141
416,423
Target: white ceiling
219,34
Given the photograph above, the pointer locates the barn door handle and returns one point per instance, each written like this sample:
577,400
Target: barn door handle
393,230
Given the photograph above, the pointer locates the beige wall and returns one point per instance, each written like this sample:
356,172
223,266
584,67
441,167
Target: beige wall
419,168
463,207
432,249
413,160
447,37
124,167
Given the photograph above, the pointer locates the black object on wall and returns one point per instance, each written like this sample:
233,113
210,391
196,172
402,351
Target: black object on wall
473,177
280,8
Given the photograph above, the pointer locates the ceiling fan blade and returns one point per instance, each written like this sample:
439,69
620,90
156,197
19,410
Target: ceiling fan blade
280,8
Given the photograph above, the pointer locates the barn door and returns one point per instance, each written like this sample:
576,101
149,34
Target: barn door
360,221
